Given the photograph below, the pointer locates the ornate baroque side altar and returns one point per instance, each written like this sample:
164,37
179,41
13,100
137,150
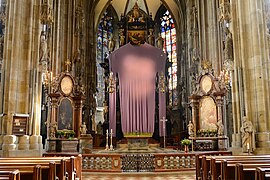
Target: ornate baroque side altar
206,129
65,121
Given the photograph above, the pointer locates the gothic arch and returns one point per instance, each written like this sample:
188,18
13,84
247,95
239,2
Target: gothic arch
101,6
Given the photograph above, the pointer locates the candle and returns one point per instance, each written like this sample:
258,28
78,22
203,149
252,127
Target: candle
248,146
51,76
111,131
106,131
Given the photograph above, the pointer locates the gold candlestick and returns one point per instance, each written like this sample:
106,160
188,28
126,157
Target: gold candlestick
111,146
107,140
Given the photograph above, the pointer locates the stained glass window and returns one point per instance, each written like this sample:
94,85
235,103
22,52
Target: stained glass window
168,33
105,31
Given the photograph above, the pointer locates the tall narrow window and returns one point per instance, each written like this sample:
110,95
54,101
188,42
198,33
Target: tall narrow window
105,31
168,33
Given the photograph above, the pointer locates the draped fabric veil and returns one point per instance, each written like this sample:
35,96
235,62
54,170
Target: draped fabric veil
137,67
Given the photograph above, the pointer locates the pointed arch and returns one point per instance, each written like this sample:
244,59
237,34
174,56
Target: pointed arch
107,28
167,30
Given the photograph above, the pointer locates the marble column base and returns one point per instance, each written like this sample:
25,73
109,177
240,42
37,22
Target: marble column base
23,143
9,143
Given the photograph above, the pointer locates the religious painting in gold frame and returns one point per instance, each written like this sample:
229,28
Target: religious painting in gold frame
136,37
208,113
65,114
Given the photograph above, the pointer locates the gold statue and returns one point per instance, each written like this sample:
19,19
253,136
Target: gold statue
136,12
206,65
68,64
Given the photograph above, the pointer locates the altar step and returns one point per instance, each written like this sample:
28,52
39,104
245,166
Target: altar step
124,143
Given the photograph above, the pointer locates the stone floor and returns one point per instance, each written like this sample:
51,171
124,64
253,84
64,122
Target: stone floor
184,175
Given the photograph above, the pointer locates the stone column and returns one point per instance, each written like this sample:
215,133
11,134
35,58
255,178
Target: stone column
251,57
78,101
219,102
53,113
195,111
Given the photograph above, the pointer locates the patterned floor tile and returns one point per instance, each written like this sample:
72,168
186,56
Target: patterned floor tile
140,176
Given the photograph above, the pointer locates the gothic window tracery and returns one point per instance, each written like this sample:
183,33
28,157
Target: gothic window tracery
168,33
104,33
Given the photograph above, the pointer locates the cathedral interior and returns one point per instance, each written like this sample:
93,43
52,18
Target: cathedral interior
201,72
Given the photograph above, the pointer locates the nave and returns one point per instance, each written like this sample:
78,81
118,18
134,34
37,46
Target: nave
140,176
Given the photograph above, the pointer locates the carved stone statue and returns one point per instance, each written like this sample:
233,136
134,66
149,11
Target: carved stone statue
248,136
190,128
228,46
220,128
159,42
52,129
43,49
151,37
83,128
111,45
122,37
77,63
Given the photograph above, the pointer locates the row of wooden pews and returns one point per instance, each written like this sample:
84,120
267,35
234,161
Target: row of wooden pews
253,167
49,168
200,163
10,175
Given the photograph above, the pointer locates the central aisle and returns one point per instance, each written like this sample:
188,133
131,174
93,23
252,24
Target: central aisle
187,175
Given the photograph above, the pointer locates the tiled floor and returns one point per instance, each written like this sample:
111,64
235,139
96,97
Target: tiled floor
140,176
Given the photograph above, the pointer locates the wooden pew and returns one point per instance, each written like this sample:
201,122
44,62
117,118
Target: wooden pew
200,164
77,159
10,175
212,165
25,172
66,166
249,171
48,167
226,168
205,166
262,173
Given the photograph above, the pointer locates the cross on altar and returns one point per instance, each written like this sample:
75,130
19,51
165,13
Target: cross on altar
163,120
68,64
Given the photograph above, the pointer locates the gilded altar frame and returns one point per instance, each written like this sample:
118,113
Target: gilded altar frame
67,97
206,102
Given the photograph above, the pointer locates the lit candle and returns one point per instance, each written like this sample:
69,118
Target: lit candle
51,75
248,146
44,27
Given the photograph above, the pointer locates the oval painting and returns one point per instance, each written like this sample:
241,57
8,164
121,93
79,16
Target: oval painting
208,113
